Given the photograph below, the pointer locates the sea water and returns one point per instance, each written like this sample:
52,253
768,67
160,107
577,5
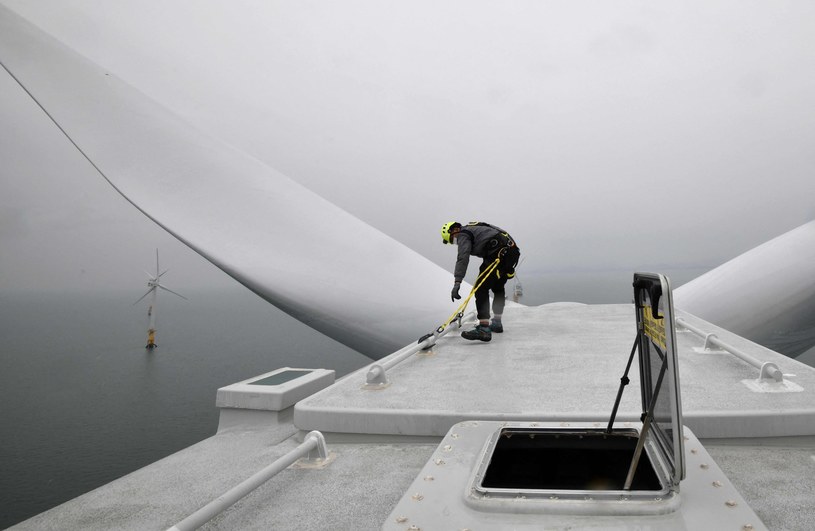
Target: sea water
82,402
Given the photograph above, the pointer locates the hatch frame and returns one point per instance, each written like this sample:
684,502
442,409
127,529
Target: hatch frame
659,438
587,501
656,338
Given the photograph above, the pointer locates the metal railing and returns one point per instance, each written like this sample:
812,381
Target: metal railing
769,370
313,441
377,374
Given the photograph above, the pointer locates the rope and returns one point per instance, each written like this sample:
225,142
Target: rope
459,313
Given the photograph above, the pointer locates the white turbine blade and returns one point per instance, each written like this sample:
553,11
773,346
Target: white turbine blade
765,295
157,275
163,273
240,222
173,292
143,296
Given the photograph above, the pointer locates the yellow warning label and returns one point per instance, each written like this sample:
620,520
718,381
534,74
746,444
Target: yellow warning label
654,328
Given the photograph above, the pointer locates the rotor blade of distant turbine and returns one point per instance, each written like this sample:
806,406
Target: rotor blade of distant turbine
173,292
143,296
157,275
163,273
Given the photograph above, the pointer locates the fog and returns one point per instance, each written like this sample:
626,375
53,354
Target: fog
605,137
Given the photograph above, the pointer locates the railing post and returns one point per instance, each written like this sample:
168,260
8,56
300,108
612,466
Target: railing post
377,377
769,370
313,441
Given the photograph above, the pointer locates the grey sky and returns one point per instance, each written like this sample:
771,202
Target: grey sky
577,126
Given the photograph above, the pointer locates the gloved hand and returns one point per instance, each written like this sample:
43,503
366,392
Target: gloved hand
454,294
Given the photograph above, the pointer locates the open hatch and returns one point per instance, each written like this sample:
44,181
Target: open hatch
634,463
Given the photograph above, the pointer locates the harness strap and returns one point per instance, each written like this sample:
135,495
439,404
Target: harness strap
507,239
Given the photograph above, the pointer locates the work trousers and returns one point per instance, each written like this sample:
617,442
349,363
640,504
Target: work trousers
495,283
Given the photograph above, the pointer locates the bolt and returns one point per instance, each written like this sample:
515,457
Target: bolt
717,483
731,503
401,519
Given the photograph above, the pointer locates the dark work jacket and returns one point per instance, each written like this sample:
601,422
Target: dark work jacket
477,240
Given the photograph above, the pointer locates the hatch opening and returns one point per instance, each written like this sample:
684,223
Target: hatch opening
584,460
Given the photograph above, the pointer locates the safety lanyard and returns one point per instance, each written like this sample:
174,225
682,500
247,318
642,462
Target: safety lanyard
459,313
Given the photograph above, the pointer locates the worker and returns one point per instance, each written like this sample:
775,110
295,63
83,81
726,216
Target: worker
488,242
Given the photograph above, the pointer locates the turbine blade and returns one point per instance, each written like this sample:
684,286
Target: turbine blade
173,292
157,275
163,273
143,296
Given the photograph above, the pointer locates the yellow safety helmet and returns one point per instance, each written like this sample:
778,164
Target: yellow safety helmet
445,231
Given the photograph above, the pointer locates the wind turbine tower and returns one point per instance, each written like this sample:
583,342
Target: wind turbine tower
153,285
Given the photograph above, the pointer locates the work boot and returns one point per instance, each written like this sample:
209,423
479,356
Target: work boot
480,332
496,326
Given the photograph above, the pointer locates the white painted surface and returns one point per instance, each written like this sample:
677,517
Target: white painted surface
251,395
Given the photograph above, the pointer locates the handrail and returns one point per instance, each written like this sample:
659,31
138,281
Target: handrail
768,368
377,376
314,440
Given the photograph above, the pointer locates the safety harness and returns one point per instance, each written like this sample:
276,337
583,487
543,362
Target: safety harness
499,245
496,243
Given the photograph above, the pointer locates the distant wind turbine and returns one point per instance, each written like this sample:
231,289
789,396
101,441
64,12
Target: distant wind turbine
153,284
